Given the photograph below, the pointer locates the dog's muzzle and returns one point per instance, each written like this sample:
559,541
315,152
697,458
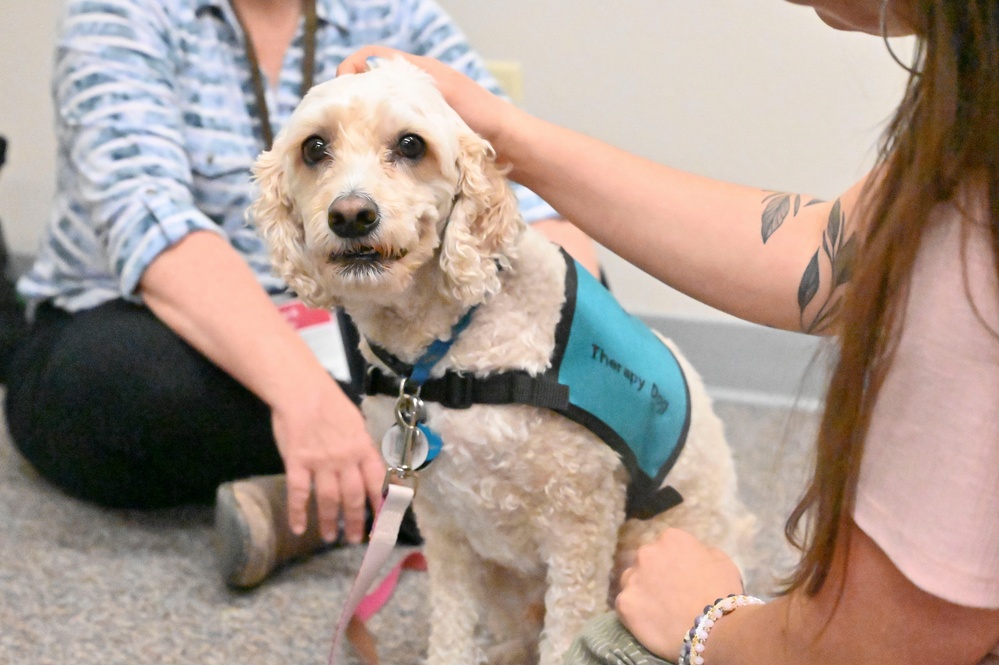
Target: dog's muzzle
352,216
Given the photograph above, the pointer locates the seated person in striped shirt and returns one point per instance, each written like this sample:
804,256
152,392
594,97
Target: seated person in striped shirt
158,369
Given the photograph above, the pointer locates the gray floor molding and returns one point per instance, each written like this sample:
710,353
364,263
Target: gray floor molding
751,364
740,362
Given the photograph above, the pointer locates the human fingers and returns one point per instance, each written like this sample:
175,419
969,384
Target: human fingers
357,62
483,111
373,474
682,559
326,484
353,503
451,83
670,581
299,483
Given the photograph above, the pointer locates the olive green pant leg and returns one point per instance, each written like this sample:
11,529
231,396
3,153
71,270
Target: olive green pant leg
604,641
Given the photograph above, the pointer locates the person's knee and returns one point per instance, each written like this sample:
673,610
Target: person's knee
116,409
92,404
117,355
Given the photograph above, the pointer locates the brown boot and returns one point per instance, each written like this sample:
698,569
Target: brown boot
252,537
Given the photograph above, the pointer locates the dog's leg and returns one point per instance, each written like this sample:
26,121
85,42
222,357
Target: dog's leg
580,557
453,570
513,612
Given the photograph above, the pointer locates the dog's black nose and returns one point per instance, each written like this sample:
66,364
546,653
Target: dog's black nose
353,216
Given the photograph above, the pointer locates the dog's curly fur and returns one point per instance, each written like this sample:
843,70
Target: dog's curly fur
523,511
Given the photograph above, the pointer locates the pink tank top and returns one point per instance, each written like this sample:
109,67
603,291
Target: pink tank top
928,493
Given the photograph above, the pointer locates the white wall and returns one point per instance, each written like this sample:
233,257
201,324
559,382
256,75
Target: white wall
759,92
755,91
27,182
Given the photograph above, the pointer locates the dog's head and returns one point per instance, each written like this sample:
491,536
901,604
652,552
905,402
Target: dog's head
375,180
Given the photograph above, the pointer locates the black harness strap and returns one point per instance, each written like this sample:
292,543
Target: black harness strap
455,390
393,363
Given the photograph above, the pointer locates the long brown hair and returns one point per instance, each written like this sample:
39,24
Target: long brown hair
945,135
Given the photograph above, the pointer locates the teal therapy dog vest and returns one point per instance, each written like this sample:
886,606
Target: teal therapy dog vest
609,372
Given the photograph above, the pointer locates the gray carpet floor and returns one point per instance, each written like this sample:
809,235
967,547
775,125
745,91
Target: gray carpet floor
88,586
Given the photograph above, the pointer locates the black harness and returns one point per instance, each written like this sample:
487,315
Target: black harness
458,390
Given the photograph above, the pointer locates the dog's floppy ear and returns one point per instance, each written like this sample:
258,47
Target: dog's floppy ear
280,225
483,226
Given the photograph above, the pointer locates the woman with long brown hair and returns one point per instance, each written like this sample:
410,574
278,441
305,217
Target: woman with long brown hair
899,527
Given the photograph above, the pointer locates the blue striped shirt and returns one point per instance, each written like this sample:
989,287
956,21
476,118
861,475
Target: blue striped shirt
157,130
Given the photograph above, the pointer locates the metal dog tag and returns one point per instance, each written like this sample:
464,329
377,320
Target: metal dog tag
394,445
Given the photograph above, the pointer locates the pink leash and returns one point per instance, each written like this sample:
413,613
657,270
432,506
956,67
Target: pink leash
381,544
385,531
376,600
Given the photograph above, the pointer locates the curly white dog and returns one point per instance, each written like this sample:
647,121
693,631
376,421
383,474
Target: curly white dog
377,197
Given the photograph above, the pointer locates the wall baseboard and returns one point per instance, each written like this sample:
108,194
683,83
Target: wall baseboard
751,364
739,362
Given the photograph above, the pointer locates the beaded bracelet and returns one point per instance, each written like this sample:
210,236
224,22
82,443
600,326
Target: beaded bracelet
693,642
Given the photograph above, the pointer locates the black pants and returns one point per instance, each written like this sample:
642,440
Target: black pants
111,406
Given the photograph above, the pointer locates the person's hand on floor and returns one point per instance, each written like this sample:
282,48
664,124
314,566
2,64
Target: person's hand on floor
326,449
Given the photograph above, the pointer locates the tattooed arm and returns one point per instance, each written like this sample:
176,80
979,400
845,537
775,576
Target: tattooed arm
777,259
726,245
830,266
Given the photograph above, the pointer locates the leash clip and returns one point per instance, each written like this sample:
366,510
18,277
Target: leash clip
409,412
400,476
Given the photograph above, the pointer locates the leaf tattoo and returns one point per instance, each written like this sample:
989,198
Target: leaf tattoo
833,227
840,254
777,209
778,205
809,283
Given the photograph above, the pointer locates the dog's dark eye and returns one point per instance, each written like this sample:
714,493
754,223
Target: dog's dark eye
313,150
411,146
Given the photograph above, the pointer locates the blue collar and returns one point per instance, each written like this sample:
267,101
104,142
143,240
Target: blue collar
420,370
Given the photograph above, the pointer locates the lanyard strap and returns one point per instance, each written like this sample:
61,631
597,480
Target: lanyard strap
257,78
